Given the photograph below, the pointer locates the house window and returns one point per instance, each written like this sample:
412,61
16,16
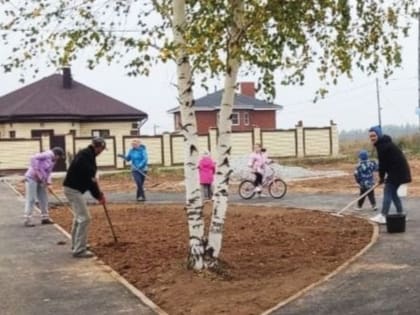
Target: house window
246,119
12,134
134,125
100,133
235,119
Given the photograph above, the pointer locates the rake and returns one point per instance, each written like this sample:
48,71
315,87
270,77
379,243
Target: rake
339,213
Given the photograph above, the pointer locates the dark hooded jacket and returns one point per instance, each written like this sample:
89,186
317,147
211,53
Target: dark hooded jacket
82,171
392,162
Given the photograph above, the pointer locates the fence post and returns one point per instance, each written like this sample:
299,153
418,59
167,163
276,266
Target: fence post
334,139
213,141
45,142
256,134
69,144
119,147
300,141
167,149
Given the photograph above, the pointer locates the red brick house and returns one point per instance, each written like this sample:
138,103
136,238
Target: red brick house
248,112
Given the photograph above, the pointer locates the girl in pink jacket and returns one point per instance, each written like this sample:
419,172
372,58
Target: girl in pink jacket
257,162
206,168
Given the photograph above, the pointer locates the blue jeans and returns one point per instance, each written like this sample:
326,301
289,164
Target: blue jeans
390,194
139,178
34,191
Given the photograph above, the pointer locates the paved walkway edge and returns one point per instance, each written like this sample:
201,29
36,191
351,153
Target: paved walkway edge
298,294
106,268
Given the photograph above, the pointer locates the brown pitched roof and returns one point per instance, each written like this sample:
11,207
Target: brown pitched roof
47,99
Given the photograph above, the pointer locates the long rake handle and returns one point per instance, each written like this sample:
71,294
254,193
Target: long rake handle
110,224
356,200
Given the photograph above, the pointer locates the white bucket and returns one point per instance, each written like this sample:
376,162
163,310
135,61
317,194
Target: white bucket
402,190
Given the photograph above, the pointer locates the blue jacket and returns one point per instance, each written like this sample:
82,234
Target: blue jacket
364,173
138,157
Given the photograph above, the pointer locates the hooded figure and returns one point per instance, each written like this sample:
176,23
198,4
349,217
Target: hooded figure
393,171
392,161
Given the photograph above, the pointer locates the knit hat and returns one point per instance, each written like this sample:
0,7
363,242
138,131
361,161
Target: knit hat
376,129
58,151
363,155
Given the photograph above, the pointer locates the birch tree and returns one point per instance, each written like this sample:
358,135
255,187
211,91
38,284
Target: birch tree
274,40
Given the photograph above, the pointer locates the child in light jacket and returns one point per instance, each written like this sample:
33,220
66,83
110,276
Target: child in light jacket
206,168
364,176
257,162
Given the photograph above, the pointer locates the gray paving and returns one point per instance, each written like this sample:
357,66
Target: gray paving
39,277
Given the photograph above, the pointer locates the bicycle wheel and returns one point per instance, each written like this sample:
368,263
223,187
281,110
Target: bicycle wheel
246,189
277,188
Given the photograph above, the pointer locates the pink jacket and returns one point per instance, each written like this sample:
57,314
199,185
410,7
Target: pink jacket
257,162
206,168
41,167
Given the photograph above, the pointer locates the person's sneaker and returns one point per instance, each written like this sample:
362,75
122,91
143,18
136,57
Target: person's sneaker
261,195
379,218
84,254
47,221
357,208
374,208
257,189
141,199
28,223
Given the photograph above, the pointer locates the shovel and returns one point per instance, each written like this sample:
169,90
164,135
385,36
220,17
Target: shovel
339,213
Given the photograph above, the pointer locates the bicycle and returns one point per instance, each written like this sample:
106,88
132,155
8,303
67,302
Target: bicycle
276,187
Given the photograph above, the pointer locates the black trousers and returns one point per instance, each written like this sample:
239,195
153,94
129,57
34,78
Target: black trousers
258,179
370,195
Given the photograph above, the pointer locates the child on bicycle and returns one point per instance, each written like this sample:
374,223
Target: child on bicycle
364,176
257,162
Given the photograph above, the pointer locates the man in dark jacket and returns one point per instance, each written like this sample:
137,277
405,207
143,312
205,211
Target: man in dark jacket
81,177
393,171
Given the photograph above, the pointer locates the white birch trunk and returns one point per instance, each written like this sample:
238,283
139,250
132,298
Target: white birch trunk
194,204
224,170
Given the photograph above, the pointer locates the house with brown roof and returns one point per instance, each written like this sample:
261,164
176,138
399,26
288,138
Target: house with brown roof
58,105
248,111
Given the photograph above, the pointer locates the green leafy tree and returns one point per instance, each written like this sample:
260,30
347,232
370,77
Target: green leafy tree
276,40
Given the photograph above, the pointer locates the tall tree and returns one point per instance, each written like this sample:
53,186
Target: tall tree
277,40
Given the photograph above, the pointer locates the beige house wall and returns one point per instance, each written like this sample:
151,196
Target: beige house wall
23,130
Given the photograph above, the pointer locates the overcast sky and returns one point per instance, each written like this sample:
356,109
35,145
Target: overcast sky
351,104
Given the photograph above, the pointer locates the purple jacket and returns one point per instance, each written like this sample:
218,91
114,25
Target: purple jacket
41,167
206,169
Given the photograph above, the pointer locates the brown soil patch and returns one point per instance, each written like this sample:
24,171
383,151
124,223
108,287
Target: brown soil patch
268,254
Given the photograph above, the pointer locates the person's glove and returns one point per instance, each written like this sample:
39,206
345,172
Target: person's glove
102,200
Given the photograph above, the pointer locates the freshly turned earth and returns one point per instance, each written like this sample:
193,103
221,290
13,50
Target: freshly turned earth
268,254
